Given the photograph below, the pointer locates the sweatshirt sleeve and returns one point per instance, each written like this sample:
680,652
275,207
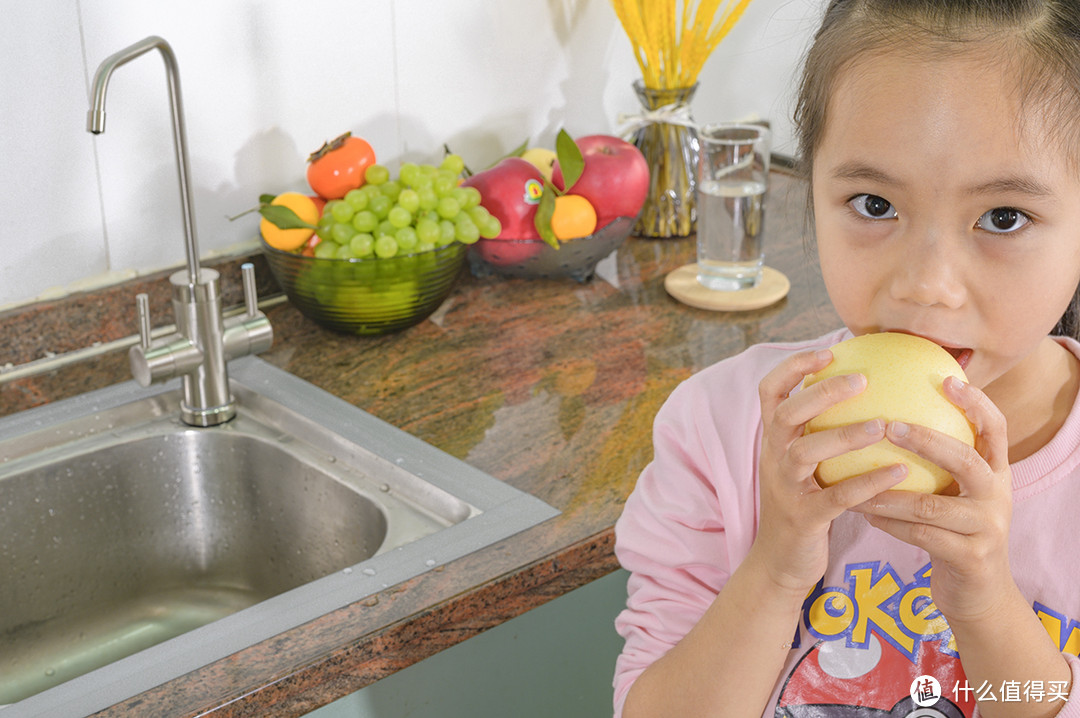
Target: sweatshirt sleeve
1069,705
691,518
1070,708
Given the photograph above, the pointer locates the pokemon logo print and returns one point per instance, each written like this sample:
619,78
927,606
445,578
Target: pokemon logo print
873,639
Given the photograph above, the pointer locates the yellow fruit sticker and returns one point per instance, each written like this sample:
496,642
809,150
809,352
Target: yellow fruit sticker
533,190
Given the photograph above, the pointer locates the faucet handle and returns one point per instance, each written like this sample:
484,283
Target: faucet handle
171,356
142,307
251,296
250,333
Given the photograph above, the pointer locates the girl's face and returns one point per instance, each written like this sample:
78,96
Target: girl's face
936,215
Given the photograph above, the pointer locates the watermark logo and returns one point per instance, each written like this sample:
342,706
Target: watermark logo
925,691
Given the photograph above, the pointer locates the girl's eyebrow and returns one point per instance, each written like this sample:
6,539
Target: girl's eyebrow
1010,184
859,172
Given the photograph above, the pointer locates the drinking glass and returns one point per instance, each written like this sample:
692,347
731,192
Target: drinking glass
733,181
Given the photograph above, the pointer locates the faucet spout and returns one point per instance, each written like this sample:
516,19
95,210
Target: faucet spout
95,123
204,341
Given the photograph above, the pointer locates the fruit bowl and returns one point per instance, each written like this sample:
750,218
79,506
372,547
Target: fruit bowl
368,296
535,259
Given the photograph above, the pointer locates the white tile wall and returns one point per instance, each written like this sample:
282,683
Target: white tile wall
266,82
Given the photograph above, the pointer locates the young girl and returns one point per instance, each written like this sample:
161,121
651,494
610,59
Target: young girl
941,140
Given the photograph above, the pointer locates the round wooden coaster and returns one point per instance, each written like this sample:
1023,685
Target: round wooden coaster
684,286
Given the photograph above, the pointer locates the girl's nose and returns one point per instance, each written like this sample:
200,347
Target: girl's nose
929,272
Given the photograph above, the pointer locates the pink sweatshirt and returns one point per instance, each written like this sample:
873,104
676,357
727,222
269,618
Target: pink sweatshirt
869,632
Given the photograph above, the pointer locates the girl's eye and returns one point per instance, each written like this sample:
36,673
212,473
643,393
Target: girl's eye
1002,220
872,206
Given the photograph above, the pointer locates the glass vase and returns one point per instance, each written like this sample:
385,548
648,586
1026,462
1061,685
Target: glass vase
671,149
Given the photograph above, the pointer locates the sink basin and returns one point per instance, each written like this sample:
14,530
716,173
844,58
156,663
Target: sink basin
136,548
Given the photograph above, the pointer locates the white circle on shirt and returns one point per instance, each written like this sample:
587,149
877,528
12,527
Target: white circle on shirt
846,662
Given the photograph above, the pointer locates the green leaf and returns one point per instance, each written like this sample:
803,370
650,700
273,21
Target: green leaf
544,211
516,152
267,198
283,217
519,150
570,160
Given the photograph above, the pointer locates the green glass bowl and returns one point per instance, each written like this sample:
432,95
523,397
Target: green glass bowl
368,296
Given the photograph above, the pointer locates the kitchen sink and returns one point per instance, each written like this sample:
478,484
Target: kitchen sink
136,548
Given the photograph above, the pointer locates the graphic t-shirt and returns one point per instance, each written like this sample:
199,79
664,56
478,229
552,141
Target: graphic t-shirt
870,642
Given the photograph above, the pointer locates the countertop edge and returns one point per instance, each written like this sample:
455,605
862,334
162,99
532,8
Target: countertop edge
366,659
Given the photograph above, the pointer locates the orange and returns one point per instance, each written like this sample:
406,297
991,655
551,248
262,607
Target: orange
290,239
574,217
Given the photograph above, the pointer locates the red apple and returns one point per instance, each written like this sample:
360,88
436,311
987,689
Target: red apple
615,178
511,192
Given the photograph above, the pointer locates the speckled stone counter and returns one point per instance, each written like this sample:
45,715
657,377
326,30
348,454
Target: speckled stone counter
551,386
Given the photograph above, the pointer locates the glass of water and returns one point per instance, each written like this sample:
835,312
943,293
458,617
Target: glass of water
733,179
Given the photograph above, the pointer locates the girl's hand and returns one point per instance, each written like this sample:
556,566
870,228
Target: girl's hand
793,535
966,534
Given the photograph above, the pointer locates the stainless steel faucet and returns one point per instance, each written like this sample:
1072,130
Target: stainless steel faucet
203,341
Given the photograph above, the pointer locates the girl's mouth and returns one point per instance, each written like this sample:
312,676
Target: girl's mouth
961,355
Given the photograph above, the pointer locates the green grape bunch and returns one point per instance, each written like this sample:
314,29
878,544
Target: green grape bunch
422,209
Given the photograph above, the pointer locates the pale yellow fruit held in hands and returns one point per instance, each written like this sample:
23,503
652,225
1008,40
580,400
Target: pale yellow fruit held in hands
904,383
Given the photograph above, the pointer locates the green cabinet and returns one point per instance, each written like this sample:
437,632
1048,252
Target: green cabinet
555,660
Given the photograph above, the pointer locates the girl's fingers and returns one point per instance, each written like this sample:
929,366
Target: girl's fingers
787,375
971,471
782,404
858,490
806,452
991,432
935,540
948,513
813,400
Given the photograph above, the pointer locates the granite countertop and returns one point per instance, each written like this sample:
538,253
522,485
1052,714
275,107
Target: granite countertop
551,386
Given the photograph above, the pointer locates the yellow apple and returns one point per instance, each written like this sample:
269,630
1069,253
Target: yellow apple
542,159
904,383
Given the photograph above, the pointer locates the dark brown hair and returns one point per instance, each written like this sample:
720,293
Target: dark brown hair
1040,38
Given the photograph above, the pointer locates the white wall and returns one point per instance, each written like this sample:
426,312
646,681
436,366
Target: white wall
265,83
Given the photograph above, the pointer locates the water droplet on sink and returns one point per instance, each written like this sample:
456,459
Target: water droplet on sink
332,459
346,571
430,562
50,671
399,461
384,487
368,572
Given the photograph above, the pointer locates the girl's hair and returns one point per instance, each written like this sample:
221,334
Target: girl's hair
1040,38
